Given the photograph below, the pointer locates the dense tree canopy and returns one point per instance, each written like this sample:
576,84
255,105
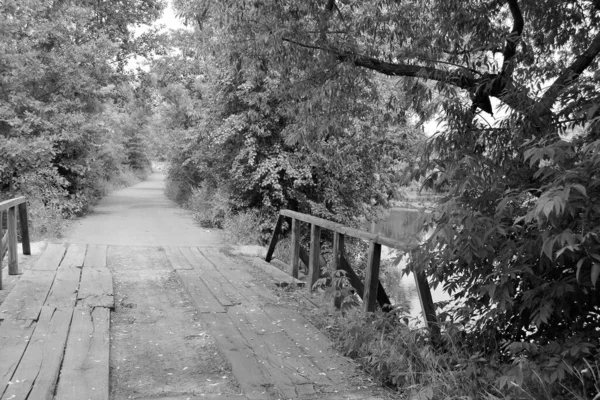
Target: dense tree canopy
514,85
62,67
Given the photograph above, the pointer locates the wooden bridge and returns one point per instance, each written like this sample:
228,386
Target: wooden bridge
56,338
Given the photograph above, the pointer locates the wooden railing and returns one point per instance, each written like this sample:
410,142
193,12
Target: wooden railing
371,291
8,243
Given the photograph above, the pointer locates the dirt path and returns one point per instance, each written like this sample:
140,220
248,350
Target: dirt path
191,323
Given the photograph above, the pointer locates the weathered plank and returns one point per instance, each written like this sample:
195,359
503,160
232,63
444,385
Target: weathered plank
242,282
282,349
95,256
50,258
275,273
177,260
26,299
252,376
74,256
63,293
221,288
295,256
283,376
313,342
5,205
202,297
14,338
96,288
37,373
85,370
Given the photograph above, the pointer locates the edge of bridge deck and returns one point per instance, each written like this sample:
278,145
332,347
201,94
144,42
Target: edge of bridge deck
54,336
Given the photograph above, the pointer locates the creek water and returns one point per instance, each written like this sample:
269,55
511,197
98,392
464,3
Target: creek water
402,224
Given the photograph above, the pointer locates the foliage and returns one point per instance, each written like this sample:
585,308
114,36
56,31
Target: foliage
62,83
516,238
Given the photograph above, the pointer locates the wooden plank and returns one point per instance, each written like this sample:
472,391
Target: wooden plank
74,256
14,338
50,258
244,285
252,376
63,293
26,299
313,342
280,348
314,270
372,277
201,296
23,219
270,351
3,249
274,238
85,371
5,205
95,256
13,258
95,288
227,293
37,373
295,256
177,260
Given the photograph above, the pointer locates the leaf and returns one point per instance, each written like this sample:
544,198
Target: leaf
548,246
595,273
579,264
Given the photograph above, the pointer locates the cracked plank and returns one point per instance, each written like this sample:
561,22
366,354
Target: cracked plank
85,371
14,338
26,299
37,373
96,288
74,257
50,258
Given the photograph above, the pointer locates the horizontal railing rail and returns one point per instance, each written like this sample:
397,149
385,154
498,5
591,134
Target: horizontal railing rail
372,292
8,242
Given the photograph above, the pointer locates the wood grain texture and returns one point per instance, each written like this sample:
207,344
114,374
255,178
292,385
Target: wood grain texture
96,288
85,371
177,260
26,299
50,258
202,298
95,257
14,338
37,373
74,257
63,293
13,258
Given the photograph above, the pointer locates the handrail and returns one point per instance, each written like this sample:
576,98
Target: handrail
373,290
8,241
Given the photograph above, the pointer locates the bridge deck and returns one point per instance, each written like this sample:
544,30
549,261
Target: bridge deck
55,330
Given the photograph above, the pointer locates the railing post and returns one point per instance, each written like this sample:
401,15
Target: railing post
314,272
295,247
25,243
274,238
2,249
338,253
372,277
13,258
427,304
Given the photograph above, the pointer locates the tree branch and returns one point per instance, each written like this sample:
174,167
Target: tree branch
456,77
570,75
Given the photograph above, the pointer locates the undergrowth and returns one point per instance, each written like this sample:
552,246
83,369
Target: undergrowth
403,357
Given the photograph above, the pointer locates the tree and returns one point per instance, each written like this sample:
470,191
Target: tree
517,238
247,128
59,64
